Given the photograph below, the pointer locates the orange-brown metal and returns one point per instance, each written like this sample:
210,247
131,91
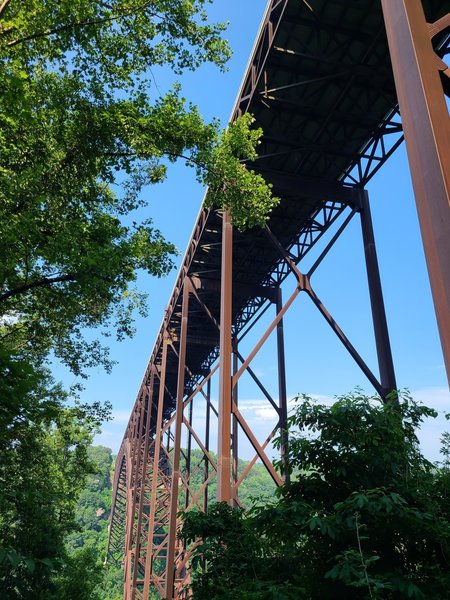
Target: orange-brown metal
383,345
131,501
235,428
419,75
155,471
171,570
226,348
282,393
143,485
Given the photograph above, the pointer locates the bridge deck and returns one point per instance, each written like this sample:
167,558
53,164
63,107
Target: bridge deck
320,85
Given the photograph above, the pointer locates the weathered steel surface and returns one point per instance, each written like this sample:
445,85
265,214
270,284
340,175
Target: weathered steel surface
421,78
226,347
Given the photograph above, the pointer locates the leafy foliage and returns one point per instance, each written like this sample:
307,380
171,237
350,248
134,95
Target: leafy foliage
231,185
367,516
111,42
43,467
94,505
90,537
82,133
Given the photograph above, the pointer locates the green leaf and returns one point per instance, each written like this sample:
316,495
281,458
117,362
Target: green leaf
14,558
31,565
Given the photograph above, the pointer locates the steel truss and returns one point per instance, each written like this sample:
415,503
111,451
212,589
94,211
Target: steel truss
181,445
159,476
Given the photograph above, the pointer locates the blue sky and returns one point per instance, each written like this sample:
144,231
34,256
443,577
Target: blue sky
316,363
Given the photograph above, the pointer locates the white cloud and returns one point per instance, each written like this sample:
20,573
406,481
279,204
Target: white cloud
247,405
120,416
431,431
108,439
267,413
262,410
438,398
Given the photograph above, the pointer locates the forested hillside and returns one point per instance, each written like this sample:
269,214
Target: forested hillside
92,517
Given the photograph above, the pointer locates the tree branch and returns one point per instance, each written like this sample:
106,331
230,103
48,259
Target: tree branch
45,281
164,153
3,6
75,24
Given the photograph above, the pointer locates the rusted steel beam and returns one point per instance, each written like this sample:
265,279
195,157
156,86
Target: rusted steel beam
155,471
142,478
121,484
257,446
383,345
304,284
225,394
266,335
426,124
131,500
282,394
176,474
189,447
207,434
235,427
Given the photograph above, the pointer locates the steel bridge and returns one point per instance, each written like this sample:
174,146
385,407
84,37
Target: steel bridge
327,80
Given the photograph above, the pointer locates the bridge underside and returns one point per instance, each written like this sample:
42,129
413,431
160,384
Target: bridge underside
320,84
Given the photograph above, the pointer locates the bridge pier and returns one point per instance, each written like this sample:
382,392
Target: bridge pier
225,375
383,345
421,79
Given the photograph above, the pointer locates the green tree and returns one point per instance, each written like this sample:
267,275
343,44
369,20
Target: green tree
94,505
367,516
43,467
81,577
82,132
86,545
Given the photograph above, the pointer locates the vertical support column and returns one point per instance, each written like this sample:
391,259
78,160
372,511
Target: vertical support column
282,395
131,502
207,429
426,125
143,476
384,353
235,425
189,450
128,549
172,535
224,429
155,472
